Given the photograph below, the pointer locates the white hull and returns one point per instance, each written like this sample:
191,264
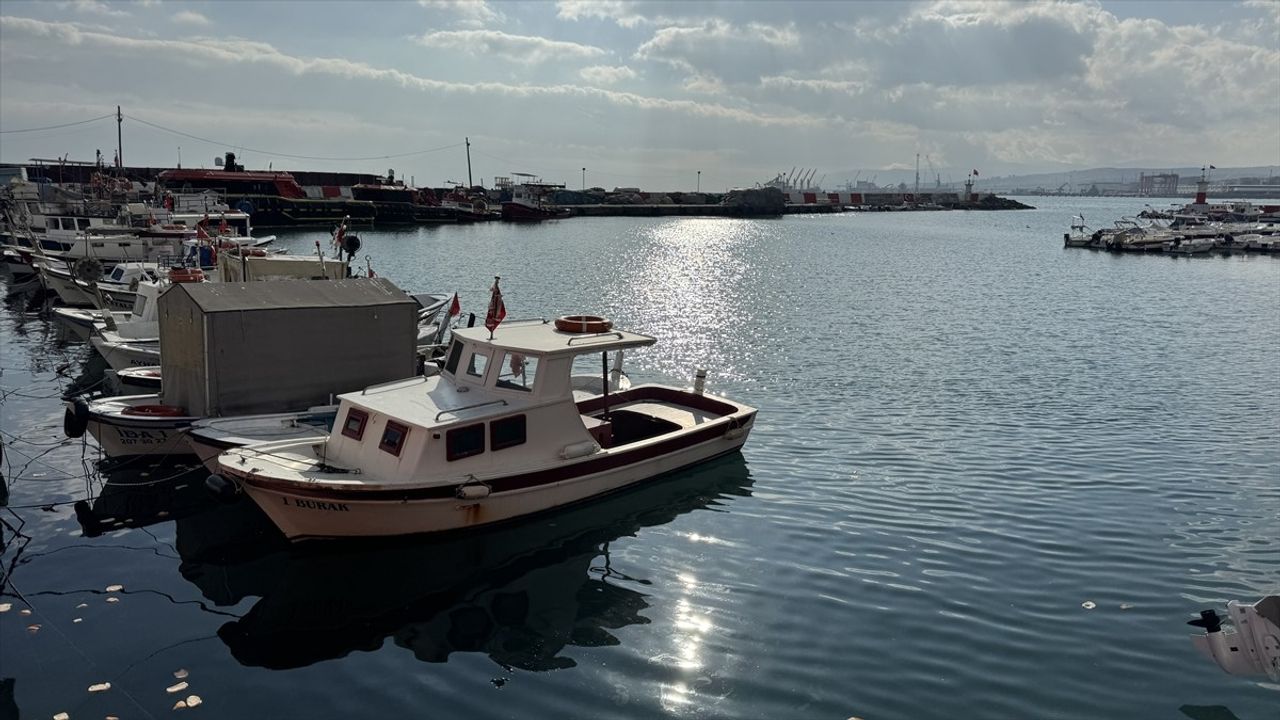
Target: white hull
121,356
68,292
210,438
121,435
302,516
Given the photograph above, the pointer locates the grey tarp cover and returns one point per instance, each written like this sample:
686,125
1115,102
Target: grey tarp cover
279,346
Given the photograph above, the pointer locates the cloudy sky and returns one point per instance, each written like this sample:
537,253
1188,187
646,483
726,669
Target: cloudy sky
646,93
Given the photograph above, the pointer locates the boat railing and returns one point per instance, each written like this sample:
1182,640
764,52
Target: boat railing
457,410
390,384
597,336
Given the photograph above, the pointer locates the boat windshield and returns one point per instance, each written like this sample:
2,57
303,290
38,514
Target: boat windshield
517,371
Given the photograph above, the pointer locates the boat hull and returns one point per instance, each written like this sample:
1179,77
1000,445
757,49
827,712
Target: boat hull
120,435
304,513
520,212
121,356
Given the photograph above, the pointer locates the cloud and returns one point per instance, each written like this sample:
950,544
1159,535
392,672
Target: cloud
221,52
518,48
625,14
716,50
93,7
607,74
468,13
190,17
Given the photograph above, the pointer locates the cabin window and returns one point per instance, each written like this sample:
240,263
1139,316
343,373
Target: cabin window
517,371
464,442
393,437
51,223
455,355
507,432
117,274
68,224
353,426
478,363
82,223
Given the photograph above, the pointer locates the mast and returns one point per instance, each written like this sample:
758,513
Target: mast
917,173
119,142
468,162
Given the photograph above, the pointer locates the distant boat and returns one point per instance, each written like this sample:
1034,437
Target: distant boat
527,202
271,198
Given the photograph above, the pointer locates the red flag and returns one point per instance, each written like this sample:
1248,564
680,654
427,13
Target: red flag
200,233
497,309
455,308
222,226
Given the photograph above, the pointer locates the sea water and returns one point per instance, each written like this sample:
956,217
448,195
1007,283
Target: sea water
990,477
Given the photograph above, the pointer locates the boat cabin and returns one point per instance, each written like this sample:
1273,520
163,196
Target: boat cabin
511,395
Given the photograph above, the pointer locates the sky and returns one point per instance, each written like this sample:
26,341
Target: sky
659,95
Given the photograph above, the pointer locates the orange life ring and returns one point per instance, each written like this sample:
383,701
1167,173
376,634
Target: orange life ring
583,324
155,411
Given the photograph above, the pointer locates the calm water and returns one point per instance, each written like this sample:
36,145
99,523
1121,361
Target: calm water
965,433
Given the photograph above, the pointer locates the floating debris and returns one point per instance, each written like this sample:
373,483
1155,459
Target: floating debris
24,611
76,620
62,716
6,607
82,605
114,588
498,682
193,700
113,599
180,673
1126,606
180,705
1088,604
176,688
100,687
33,629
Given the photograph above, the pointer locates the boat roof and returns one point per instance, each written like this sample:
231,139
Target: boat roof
542,337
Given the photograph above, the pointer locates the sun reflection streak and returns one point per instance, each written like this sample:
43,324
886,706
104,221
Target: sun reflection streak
694,283
691,629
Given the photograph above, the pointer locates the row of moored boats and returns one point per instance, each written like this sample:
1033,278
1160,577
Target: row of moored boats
339,403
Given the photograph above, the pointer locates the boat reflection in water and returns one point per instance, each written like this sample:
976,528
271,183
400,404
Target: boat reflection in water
520,593
229,552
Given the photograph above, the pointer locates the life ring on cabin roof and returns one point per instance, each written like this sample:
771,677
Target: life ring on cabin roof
154,411
583,324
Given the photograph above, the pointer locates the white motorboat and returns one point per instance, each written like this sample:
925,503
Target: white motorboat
135,380
211,437
496,436
121,354
130,425
1253,647
1189,245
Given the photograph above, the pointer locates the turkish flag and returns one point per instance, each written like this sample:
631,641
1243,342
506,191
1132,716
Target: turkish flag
497,309
455,308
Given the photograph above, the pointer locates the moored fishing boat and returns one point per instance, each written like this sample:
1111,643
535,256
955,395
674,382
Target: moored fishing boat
527,203
496,436
211,437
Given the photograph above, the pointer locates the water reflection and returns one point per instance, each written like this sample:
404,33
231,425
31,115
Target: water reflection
520,594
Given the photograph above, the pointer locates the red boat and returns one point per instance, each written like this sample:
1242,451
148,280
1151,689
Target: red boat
526,203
